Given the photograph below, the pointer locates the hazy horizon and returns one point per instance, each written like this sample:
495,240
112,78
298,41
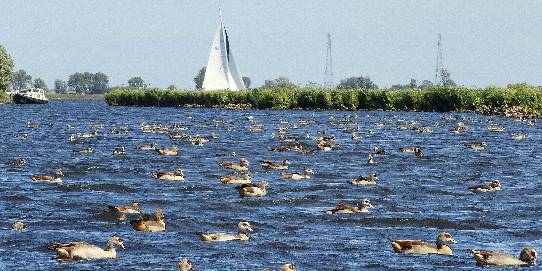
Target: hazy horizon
167,42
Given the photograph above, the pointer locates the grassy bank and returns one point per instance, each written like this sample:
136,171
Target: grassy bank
58,96
515,101
4,98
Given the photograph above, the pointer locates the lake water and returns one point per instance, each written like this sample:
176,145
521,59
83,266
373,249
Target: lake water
416,198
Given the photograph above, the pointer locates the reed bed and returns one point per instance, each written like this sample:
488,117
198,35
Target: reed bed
514,101
69,96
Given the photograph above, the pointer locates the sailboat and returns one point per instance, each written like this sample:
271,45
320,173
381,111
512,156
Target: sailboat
222,73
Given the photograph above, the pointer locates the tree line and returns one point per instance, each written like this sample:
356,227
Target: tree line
98,83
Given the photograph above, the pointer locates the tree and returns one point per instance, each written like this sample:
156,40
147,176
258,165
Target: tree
89,83
246,81
446,79
21,80
199,78
6,69
312,84
281,82
61,86
172,87
136,82
39,83
99,83
412,85
426,84
357,82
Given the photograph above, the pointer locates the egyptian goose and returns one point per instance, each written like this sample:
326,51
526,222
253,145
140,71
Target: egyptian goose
415,150
341,208
420,247
253,190
168,151
221,237
18,162
55,179
298,176
246,179
227,154
527,257
408,149
88,135
377,150
85,150
371,180
18,226
22,136
518,136
178,175
370,159
495,129
481,188
119,151
273,165
288,267
199,140
147,147
185,265
241,166
123,210
31,125
147,225
477,146
85,251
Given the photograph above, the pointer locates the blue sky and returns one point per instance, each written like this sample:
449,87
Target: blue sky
166,42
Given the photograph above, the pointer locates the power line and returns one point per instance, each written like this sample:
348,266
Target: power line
440,65
328,81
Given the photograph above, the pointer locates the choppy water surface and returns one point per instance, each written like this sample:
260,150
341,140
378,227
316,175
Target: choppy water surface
416,198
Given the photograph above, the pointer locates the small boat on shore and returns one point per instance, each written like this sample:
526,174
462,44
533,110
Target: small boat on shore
30,96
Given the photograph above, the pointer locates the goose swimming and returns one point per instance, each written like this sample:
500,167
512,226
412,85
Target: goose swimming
85,251
420,247
221,237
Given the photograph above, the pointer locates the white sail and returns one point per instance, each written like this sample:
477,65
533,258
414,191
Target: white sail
217,66
235,76
222,72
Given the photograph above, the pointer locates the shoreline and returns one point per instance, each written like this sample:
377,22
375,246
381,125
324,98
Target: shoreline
519,101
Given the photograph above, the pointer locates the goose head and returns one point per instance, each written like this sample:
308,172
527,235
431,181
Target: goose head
159,214
115,241
444,238
528,255
135,206
365,203
285,162
179,172
59,173
245,226
288,267
185,265
174,147
244,162
263,185
496,184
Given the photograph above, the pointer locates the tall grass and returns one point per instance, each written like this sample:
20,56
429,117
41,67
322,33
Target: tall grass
488,100
4,98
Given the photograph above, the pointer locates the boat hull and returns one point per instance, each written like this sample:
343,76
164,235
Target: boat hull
22,99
